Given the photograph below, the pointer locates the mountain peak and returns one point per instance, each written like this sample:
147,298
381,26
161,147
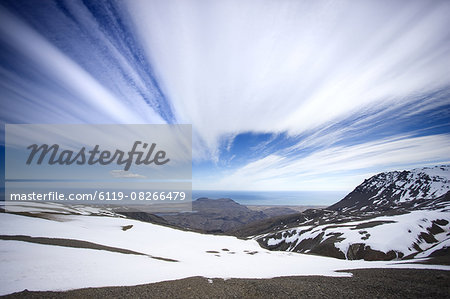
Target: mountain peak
388,190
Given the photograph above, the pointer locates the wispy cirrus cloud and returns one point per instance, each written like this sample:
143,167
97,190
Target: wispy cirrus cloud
45,80
337,167
236,66
281,94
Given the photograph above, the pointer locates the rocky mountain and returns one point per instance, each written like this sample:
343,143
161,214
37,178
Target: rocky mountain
220,215
214,215
394,215
418,233
391,190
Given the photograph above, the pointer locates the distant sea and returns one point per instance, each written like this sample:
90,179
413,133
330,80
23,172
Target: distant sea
322,198
319,198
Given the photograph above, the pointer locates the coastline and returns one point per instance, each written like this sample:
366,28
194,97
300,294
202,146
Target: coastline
298,208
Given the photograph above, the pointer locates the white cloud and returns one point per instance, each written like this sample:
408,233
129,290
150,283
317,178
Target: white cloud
270,66
338,167
230,67
94,102
126,174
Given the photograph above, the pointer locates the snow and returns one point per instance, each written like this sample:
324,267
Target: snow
442,171
437,186
427,183
274,241
33,266
54,208
441,245
294,233
378,194
399,234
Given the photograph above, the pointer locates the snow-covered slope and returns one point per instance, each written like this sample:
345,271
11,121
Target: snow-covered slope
389,190
44,251
420,233
391,215
53,208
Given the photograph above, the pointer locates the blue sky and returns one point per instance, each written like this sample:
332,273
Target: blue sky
282,95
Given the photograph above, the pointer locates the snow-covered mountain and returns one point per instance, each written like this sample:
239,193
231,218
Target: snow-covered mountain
395,189
55,247
389,218
420,233
393,215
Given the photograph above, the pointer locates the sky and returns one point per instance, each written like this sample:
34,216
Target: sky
281,95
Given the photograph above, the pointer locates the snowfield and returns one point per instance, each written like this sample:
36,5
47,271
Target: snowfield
427,182
395,189
399,233
159,253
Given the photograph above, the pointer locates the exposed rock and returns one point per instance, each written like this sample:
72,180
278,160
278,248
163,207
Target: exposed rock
397,190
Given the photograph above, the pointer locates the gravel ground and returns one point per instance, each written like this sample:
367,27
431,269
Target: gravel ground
365,283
